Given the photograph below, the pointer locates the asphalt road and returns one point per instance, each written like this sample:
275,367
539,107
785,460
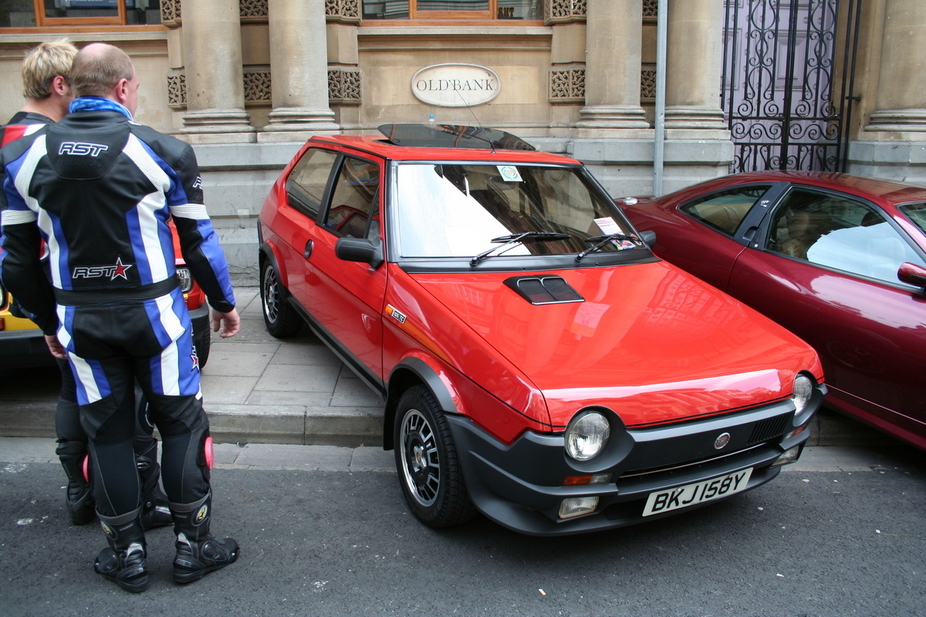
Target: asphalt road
840,542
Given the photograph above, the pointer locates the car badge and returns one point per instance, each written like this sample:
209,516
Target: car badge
722,440
395,313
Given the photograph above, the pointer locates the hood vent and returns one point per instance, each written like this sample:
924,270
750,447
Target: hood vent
544,289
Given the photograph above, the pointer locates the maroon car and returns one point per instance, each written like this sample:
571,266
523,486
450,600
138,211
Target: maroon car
839,260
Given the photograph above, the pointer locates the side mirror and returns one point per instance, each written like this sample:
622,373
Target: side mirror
649,238
912,274
359,250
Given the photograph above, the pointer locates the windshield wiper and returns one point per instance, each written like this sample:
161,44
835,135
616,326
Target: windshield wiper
521,238
601,241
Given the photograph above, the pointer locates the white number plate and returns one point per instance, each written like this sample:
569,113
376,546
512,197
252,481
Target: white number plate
699,492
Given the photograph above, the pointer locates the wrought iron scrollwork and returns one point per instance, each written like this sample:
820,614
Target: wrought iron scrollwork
778,94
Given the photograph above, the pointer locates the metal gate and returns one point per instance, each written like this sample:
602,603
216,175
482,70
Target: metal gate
779,98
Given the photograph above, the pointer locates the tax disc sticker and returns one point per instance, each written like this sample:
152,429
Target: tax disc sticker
607,226
509,173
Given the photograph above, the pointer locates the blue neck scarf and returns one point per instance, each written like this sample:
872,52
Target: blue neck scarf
96,103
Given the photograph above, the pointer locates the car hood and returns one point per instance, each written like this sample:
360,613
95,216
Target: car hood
649,341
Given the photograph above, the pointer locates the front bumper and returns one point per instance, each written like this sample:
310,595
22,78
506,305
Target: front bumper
200,319
520,486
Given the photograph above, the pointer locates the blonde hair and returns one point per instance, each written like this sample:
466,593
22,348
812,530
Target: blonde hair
45,62
98,68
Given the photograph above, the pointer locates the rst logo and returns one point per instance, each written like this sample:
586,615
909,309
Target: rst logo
79,148
111,272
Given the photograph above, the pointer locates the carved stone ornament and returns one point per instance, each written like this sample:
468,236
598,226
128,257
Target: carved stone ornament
170,13
565,11
650,8
347,11
257,87
344,86
253,9
566,85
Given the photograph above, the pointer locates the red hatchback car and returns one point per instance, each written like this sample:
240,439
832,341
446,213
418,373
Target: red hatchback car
837,259
537,362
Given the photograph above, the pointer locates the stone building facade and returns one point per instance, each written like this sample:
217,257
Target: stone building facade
247,81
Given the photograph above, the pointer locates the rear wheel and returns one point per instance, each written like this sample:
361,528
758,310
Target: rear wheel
426,460
279,317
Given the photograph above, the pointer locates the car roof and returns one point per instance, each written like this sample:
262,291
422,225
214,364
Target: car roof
417,142
877,189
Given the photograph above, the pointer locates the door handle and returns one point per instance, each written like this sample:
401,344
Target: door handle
307,251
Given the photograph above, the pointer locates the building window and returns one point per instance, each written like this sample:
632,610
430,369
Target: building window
452,9
31,13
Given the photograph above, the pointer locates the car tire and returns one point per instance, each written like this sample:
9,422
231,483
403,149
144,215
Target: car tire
279,317
203,343
427,463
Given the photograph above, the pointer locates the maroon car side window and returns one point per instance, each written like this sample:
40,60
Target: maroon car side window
841,233
726,210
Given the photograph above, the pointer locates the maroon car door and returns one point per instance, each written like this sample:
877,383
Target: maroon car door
825,267
709,221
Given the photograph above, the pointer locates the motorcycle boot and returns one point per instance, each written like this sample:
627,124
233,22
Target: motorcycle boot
198,552
155,511
79,498
124,561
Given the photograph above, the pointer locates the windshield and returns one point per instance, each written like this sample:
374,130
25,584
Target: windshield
916,213
459,210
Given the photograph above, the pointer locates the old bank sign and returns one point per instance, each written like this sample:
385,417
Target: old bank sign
455,85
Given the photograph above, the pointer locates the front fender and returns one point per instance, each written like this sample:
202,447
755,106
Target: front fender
414,370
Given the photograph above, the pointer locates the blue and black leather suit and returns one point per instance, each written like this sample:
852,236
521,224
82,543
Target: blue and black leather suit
100,190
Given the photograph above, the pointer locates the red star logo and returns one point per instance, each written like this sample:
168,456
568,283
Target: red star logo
195,359
120,270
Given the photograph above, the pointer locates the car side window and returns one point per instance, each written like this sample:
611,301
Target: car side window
354,198
305,186
841,233
725,210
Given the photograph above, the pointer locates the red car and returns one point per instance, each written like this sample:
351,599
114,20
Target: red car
537,362
837,259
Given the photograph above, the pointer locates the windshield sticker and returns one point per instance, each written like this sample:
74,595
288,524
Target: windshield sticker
607,226
509,173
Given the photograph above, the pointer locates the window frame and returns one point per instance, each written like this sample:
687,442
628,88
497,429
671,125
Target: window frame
416,14
334,182
41,21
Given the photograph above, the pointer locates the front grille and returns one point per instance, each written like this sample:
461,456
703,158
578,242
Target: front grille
772,428
690,444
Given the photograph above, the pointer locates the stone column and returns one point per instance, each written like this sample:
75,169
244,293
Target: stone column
214,75
612,72
693,70
901,94
299,70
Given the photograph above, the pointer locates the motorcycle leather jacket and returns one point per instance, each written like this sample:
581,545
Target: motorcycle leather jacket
102,190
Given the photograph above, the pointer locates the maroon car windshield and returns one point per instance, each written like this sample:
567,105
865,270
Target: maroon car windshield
916,213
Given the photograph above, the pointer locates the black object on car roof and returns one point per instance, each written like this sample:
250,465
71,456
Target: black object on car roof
451,136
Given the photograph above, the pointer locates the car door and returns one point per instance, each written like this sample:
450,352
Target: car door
706,239
306,192
346,297
825,266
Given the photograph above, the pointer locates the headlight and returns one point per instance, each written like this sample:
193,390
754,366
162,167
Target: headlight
803,390
186,280
587,435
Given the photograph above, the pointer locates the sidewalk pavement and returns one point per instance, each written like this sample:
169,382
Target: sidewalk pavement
24,450
258,389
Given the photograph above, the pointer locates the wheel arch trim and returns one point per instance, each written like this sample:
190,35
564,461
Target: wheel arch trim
427,372
268,250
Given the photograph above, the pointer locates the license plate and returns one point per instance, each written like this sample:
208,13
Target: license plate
699,492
